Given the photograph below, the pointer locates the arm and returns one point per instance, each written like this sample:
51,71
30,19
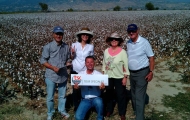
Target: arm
152,64
103,63
55,69
45,57
73,52
125,68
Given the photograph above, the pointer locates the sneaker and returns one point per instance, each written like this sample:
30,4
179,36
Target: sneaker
65,116
49,118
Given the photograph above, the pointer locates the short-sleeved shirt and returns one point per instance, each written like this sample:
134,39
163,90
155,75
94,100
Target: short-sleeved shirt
88,92
56,55
138,53
115,66
81,53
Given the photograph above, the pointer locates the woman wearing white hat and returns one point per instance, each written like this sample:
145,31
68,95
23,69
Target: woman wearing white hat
115,65
79,51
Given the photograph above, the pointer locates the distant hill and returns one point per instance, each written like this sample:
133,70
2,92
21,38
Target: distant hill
60,5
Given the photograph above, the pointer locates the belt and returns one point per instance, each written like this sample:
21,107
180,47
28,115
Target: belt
134,71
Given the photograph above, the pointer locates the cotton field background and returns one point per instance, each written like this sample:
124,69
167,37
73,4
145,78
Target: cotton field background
22,37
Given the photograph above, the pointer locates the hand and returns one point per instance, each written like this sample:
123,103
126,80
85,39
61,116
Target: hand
76,86
149,76
102,86
73,50
68,63
55,69
124,81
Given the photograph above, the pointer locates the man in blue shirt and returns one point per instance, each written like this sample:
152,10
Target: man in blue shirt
54,57
90,94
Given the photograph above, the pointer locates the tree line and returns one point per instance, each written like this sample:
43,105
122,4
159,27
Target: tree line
148,6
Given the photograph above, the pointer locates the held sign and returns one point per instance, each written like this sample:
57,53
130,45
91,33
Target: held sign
86,80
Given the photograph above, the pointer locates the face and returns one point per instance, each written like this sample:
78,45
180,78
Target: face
133,34
58,37
89,63
84,37
114,42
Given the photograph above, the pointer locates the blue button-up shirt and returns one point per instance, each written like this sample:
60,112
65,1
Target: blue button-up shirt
56,55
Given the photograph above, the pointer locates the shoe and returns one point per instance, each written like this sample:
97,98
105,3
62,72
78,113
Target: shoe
65,116
123,117
49,118
108,114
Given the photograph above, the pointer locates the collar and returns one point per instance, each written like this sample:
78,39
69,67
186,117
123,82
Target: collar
138,40
55,43
89,74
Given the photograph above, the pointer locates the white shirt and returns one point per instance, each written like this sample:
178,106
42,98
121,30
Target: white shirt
88,92
80,55
138,53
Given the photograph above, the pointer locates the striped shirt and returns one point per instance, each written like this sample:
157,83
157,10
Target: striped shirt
138,53
56,55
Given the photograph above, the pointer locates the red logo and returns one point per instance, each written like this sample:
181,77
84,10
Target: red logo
76,79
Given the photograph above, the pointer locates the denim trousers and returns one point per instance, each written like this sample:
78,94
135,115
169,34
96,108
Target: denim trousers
86,104
50,87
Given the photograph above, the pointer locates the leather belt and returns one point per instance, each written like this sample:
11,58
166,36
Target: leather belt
134,71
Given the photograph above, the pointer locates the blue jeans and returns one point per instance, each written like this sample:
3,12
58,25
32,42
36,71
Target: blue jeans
50,96
86,104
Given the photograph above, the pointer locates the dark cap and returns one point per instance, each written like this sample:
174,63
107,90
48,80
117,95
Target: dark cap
58,29
132,27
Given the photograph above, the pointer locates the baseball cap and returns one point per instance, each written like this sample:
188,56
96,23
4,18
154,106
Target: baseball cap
58,29
132,27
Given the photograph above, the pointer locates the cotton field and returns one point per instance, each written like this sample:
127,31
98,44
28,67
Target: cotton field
22,37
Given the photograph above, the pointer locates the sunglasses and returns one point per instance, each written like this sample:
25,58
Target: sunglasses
114,39
132,31
59,33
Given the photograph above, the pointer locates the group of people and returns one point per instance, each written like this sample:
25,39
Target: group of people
136,63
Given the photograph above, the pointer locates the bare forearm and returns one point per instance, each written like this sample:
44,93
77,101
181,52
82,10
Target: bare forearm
152,63
47,65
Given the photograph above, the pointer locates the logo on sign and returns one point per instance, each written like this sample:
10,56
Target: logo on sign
76,79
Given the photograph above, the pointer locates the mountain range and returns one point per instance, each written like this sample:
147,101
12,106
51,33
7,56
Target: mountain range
62,5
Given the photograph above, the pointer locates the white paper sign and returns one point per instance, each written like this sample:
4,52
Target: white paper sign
86,80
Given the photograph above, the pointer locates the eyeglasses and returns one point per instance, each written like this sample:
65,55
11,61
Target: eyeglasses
131,31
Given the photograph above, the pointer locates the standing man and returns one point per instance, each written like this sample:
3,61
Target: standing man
141,66
54,57
90,94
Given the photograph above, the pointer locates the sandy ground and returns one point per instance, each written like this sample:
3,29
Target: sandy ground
163,83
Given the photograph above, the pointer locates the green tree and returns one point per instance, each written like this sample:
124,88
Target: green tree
70,10
43,6
116,8
130,8
149,6
157,8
